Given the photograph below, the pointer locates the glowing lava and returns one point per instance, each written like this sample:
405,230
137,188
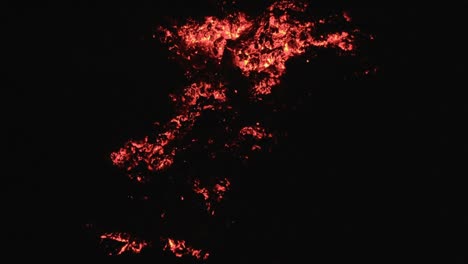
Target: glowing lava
128,243
256,132
258,48
263,45
207,39
159,155
179,249
216,194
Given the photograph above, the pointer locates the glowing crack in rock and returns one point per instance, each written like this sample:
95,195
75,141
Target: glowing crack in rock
258,48
179,249
128,244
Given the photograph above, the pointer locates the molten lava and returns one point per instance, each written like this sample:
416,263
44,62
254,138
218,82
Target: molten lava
215,195
262,45
258,48
256,132
179,249
128,244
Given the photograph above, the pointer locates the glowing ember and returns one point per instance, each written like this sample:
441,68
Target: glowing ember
220,188
269,42
202,191
256,147
276,39
159,154
128,243
216,194
346,16
179,249
256,132
258,48
209,38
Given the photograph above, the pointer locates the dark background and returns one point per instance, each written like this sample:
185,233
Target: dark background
371,169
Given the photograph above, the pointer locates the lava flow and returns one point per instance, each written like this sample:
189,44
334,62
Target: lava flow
216,194
126,241
258,47
179,249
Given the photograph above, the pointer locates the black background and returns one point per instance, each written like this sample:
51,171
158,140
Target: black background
371,169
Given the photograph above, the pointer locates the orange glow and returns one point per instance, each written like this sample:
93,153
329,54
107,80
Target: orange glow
256,132
213,195
256,147
346,16
258,48
274,38
220,189
277,38
129,244
199,190
261,47
159,155
206,39
179,249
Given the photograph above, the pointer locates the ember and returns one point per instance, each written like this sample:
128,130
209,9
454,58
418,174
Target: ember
259,48
129,244
179,249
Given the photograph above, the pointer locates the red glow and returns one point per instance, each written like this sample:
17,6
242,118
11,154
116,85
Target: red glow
199,190
259,49
256,132
220,189
159,154
277,39
256,147
346,16
129,244
213,195
179,249
273,39
206,39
